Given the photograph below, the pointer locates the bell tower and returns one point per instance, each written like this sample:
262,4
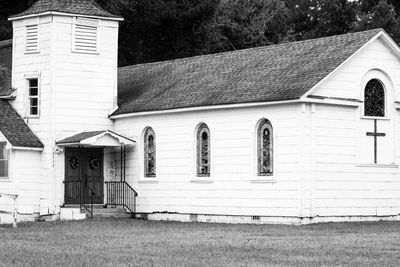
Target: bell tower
65,74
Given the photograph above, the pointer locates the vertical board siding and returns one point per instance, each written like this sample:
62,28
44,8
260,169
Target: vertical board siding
230,189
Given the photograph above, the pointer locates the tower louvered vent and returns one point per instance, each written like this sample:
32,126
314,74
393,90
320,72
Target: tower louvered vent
32,39
85,38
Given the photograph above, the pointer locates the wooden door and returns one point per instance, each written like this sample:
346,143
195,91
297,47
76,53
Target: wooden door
93,173
84,174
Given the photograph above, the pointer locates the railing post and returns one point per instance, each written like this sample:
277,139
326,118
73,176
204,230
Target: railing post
15,213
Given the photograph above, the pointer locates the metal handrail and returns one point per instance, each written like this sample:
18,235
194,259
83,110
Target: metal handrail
120,193
81,197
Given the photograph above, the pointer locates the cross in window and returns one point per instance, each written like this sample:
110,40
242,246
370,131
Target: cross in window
375,134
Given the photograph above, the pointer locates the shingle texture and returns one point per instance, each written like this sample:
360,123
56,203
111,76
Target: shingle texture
81,7
271,73
79,137
15,129
5,67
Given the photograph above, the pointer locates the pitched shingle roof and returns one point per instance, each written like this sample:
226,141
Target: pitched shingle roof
5,67
15,129
81,7
79,137
271,73
86,135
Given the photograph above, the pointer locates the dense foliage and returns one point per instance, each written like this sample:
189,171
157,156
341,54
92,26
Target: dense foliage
156,30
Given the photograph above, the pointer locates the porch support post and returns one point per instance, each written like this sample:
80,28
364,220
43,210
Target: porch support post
121,165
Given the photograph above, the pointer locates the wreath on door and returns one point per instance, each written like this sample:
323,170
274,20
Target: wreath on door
74,162
94,163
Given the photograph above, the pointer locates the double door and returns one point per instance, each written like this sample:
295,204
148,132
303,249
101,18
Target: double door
84,179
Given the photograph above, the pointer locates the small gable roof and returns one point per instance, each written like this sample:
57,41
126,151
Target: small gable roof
89,138
5,68
15,129
81,7
263,74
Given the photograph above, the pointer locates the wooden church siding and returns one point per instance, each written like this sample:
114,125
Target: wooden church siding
232,188
343,187
28,181
346,181
35,65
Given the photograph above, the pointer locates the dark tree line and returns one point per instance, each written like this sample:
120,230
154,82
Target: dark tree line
156,30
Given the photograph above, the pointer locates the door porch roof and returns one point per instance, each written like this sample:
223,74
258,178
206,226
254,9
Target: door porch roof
104,138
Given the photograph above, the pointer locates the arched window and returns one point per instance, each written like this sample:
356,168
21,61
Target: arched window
374,99
149,153
264,148
203,151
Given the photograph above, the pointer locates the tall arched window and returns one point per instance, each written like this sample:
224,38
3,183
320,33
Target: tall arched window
203,151
149,153
374,99
264,148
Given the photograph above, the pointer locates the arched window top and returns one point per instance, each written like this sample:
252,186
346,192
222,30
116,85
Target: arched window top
149,153
203,150
265,148
374,99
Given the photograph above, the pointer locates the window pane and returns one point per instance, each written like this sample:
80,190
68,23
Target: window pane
374,99
150,153
3,168
264,148
33,83
34,111
2,151
33,91
34,102
203,151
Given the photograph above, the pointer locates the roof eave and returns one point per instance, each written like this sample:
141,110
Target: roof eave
201,108
18,17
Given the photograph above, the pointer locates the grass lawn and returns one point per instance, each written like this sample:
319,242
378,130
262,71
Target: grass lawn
113,242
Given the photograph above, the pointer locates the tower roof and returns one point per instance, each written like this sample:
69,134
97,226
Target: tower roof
80,7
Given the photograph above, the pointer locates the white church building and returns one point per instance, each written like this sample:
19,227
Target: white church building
296,133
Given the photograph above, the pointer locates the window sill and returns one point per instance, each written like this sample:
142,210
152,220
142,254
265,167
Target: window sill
375,118
391,166
5,180
202,181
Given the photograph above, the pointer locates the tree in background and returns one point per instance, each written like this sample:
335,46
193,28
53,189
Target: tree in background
240,24
156,30
8,8
319,18
162,29
379,14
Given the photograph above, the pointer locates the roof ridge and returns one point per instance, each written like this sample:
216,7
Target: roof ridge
247,49
80,7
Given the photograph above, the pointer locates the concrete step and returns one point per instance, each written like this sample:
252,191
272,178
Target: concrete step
73,212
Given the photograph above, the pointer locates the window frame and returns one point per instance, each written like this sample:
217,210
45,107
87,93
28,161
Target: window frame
265,124
29,97
201,129
149,131
6,147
